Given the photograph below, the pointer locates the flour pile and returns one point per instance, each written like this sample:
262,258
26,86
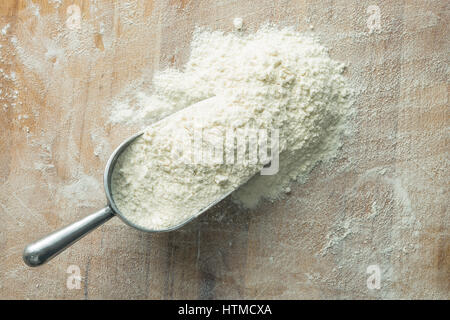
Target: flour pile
271,79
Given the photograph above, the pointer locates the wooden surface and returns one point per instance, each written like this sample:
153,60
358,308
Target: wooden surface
383,202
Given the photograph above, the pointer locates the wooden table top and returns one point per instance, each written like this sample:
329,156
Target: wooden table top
377,211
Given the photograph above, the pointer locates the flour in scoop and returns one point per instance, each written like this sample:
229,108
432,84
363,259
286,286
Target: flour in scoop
274,80
169,174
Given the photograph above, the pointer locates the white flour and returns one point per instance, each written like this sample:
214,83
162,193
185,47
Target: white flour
271,79
156,182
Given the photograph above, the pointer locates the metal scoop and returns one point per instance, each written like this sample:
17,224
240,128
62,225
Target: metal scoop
41,251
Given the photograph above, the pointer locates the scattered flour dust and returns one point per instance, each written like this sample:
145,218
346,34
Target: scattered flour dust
274,78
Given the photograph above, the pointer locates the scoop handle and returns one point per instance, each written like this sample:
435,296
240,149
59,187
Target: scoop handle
41,251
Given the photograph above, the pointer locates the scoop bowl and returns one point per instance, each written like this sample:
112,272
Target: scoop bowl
44,249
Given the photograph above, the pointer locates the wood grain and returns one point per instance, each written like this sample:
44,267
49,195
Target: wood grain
383,201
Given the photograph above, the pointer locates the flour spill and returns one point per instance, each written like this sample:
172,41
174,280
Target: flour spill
272,79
